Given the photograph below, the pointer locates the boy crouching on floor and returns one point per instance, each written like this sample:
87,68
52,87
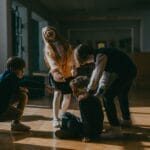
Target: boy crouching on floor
11,93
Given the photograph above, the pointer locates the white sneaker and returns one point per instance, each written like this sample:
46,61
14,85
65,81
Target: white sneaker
56,123
125,123
113,132
86,139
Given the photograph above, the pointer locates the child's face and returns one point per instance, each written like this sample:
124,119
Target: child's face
19,73
50,35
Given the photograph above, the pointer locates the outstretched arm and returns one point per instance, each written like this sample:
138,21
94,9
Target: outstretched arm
100,64
103,83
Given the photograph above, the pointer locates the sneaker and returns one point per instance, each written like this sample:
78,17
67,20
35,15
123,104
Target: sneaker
125,123
113,132
19,127
56,123
86,139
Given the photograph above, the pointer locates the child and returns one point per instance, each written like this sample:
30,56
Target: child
11,92
58,56
111,61
90,109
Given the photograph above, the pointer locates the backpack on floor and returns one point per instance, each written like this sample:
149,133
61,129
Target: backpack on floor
71,123
71,127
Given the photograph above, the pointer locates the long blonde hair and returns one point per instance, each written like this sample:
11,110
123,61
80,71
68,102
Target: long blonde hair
51,48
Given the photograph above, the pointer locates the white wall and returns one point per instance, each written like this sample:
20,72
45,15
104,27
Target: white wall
5,32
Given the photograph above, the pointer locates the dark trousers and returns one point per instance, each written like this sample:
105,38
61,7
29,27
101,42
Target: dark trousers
120,88
12,113
15,113
92,116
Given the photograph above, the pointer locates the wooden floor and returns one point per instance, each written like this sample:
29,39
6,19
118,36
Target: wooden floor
38,115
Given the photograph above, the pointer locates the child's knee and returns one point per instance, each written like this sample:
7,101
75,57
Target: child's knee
67,96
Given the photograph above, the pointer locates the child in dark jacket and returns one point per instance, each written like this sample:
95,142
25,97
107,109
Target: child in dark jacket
90,109
11,93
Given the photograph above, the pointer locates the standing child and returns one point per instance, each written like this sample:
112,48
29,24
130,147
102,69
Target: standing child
58,56
11,92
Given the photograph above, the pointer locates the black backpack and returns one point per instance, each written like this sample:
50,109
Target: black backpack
71,123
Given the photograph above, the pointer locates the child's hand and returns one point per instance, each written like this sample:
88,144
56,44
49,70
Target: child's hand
74,72
58,77
24,89
100,92
82,96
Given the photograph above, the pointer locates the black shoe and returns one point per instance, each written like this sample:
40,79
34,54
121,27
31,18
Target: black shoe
20,127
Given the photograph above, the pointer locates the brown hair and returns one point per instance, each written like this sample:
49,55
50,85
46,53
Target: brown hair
15,63
82,52
78,83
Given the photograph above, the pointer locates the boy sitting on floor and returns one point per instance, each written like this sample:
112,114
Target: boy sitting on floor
90,110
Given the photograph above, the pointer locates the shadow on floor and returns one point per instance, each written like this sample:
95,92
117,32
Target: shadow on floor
27,118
